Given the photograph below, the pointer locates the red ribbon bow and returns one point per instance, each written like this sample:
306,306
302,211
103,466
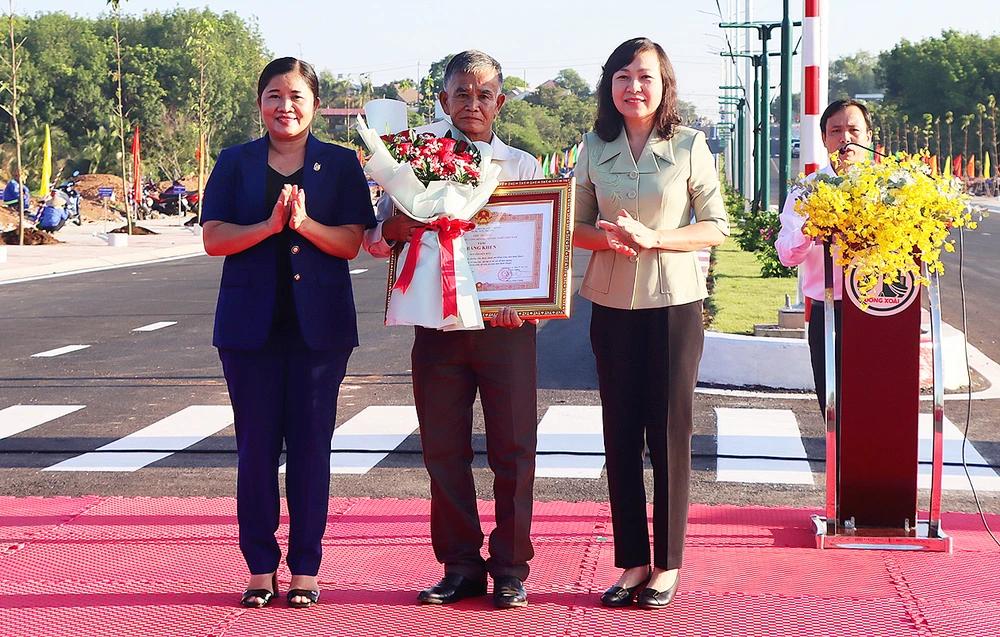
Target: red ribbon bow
448,230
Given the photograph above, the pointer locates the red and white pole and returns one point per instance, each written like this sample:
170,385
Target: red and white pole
815,84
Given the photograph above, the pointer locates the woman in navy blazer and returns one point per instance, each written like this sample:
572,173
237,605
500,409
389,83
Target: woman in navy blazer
285,323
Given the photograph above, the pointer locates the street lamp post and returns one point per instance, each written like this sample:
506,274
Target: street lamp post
763,159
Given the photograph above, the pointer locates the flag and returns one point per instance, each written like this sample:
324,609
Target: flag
970,171
934,166
947,168
545,166
43,191
986,165
879,151
958,166
136,168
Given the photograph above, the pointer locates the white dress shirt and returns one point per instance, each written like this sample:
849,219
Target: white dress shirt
515,165
795,248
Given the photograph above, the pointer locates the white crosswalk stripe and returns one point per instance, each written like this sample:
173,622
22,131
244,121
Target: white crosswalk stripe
174,433
760,432
152,327
381,428
18,418
953,477
570,439
59,351
572,429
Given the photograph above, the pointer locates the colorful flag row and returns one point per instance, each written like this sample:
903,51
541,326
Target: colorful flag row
958,167
555,164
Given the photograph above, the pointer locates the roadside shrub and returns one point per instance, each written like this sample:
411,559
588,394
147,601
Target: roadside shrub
757,233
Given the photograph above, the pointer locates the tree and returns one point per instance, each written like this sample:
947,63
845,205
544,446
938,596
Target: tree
571,80
966,122
991,106
512,82
854,74
689,112
202,54
949,119
953,72
12,110
119,112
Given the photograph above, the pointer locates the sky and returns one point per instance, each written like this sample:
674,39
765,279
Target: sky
396,39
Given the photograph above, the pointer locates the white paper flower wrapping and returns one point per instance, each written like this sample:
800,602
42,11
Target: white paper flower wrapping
424,300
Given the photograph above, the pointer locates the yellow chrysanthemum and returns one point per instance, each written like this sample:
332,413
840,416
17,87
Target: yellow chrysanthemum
881,216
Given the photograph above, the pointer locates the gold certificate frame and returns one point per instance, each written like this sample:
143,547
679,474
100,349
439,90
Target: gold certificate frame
521,250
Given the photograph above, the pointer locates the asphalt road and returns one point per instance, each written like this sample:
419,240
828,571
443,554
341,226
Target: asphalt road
126,381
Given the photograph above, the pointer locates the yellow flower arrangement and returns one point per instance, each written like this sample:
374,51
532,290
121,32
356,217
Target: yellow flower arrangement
881,216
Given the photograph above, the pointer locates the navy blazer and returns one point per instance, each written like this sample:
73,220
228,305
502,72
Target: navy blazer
336,194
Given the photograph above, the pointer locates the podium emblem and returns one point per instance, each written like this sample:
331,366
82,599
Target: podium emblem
890,296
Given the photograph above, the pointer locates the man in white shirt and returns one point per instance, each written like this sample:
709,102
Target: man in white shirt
846,130
449,367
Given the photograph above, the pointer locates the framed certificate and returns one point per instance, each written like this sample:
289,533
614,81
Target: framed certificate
521,250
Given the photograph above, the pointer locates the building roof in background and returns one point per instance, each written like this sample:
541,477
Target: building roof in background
341,112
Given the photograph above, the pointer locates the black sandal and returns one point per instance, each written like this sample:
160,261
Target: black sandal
312,598
260,593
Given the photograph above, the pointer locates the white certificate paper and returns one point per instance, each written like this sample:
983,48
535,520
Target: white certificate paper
509,251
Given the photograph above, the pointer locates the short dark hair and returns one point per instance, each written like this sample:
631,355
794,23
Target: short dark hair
609,121
841,105
283,66
475,62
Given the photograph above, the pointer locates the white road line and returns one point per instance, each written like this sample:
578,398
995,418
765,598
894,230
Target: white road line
953,478
570,428
760,432
18,418
59,351
376,427
152,327
359,271
174,433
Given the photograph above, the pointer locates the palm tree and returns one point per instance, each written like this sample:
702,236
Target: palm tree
966,122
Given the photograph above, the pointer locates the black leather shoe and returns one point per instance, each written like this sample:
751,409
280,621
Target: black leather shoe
652,598
619,596
452,588
508,592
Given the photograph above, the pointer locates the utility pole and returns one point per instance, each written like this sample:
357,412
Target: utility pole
763,160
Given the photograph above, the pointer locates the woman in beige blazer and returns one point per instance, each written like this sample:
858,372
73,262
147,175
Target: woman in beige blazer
647,198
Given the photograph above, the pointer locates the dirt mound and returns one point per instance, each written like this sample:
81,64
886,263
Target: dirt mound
8,219
32,237
92,207
136,230
189,182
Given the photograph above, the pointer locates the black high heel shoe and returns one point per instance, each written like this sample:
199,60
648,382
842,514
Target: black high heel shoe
620,597
652,598
265,596
312,598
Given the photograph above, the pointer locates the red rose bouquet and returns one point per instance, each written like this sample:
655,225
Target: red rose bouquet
435,158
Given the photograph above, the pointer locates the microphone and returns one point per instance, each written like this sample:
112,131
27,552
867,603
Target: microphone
843,149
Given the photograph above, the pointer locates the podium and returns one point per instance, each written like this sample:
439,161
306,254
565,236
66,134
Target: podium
872,411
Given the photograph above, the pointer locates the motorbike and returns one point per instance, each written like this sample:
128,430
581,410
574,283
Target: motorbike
61,205
170,202
145,207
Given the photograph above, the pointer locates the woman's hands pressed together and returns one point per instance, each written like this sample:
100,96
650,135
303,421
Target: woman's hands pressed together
627,235
281,211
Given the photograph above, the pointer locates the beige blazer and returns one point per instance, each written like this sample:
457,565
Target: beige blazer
672,179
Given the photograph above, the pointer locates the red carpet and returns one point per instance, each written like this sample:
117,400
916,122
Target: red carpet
171,566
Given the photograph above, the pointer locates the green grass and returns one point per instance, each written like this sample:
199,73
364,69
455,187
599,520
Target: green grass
740,298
